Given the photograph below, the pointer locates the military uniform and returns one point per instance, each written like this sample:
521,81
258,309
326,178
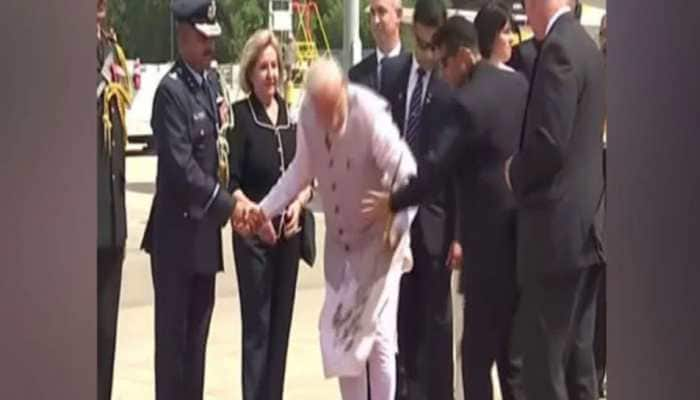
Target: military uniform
112,98
190,206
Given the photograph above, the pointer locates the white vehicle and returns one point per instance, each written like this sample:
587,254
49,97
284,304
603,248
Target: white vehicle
138,116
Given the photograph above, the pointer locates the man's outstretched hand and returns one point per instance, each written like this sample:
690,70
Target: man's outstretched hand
375,207
248,219
239,217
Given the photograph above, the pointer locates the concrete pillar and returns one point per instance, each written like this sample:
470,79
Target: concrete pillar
352,46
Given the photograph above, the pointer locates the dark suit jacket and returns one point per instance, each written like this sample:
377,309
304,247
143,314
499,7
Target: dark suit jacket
481,133
557,175
111,208
365,72
523,58
434,226
188,211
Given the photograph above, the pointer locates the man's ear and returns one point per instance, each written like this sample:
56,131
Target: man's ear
465,56
461,54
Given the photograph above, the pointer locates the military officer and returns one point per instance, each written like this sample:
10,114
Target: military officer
190,206
113,96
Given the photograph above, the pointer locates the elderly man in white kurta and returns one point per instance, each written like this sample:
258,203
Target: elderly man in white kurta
347,141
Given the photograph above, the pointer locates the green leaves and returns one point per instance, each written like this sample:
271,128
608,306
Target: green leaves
239,19
144,26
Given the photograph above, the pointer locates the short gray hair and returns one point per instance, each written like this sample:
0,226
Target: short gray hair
255,45
320,71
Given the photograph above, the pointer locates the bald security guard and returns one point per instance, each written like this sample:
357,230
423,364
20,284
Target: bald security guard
191,205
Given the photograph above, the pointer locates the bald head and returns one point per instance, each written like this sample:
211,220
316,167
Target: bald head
324,75
385,23
326,88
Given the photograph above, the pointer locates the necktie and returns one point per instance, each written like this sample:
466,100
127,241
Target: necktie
379,73
415,108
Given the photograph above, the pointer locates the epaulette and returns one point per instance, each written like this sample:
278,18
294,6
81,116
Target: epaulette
187,77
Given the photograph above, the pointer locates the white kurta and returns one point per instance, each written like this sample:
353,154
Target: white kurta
362,274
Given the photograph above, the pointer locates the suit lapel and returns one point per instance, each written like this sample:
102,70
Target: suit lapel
536,66
403,95
426,111
373,79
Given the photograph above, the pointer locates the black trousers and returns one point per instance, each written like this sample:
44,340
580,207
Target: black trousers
557,328
109,281
489,315
599,340
267,278
425,369
184,303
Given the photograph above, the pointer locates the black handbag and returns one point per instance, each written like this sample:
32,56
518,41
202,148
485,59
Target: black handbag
308,237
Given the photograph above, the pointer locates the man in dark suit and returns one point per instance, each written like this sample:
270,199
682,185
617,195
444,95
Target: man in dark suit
385,23
481,132
418,99
557,179
112,89
191,204
524,54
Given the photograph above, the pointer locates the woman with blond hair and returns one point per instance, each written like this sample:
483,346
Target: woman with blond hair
263,143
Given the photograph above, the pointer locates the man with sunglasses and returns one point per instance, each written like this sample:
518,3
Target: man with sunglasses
418,99
481,130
